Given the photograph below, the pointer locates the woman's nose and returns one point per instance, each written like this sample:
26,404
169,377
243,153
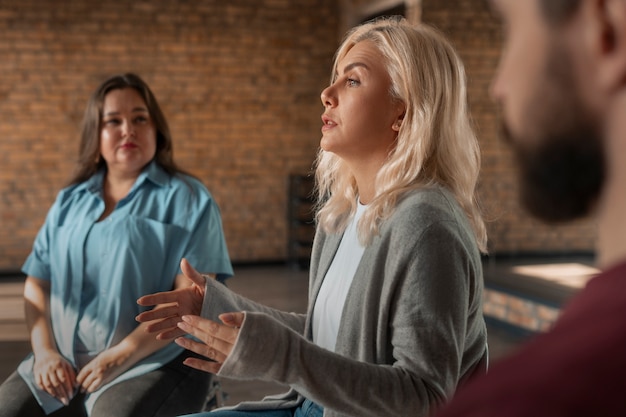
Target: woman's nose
327,97
128,128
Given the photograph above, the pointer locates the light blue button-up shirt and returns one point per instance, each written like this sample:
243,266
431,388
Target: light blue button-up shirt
137,251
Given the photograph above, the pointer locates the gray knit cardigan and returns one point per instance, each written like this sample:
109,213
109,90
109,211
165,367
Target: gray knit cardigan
411,329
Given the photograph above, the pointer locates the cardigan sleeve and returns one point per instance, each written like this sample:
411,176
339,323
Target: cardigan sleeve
219,299
418,336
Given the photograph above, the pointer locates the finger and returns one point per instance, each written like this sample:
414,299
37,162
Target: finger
219,331
170,334
191,273
95,384
164,297
86,378
52,385
62,395
233,319
71,376
82,374
189,344
201,349
69,379
202,365
46,385
163,326
62,389
211,347
160,312
39,382
91,383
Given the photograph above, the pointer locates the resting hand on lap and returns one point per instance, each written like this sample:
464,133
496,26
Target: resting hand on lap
55,375
102,369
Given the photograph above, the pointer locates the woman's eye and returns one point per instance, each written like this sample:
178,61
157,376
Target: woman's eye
141,119
111,122
351,82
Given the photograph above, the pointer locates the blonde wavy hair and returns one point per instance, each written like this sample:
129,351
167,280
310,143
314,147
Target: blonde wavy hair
436,144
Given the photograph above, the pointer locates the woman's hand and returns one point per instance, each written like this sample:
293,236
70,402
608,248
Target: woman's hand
217,340
55,375
179,302
102,369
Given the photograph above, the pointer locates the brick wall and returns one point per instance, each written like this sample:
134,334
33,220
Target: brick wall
238,80
476,34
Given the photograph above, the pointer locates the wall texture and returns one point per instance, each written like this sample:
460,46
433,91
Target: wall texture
477,35
238,80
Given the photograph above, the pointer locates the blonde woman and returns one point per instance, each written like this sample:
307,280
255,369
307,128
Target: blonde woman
394,320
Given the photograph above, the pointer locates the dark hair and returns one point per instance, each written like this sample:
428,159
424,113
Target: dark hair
558,11
89,161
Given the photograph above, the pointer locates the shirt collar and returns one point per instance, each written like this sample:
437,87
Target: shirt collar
152,172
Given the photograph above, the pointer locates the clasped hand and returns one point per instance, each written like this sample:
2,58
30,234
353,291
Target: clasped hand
55,375
180,315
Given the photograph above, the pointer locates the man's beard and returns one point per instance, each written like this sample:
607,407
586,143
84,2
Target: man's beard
561,178
562,167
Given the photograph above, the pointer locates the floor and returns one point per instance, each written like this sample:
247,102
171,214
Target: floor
278,286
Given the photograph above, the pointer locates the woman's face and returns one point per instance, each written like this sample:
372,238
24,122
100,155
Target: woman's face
128,134
361,120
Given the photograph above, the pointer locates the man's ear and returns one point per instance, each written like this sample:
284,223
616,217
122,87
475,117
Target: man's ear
611,16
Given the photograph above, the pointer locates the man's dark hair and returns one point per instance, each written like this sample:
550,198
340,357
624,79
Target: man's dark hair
558,11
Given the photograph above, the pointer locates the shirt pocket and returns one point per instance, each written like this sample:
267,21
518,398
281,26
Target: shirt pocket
156,249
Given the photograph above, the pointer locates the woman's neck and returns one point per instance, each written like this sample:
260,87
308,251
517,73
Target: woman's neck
117,187
114,189
365,175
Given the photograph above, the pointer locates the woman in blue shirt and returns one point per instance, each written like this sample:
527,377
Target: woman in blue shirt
118,231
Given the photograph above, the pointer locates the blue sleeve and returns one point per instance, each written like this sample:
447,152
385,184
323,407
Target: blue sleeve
37,263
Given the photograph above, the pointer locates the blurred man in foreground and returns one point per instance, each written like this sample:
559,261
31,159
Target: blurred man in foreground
562,86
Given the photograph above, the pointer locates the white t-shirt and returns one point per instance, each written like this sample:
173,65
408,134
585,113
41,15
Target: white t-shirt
332,296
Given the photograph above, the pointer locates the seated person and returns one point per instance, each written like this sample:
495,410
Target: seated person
116,232
395,314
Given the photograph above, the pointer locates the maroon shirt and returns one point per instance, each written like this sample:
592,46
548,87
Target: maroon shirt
576,369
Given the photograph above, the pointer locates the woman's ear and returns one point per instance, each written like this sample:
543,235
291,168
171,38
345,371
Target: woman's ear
399,119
